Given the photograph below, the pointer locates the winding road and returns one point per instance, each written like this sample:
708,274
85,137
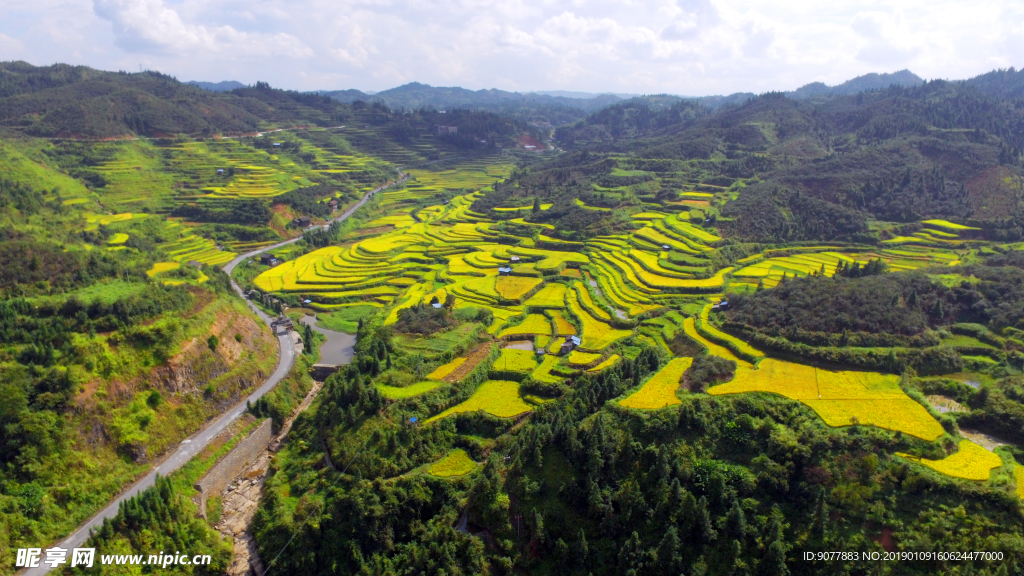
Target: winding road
198,441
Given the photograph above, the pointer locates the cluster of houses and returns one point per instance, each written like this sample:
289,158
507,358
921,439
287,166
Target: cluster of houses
444,130
723,305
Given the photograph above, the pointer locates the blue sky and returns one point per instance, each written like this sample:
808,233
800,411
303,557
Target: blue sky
692,47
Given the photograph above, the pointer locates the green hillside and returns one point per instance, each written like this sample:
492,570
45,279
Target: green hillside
663,339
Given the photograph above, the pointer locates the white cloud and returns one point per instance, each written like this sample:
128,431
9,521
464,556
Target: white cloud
676,46
150,26
9,46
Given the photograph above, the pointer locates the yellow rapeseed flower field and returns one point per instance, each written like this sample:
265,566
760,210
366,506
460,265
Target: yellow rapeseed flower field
550,296
843,398
689,326
456,463
401,392
596,334
562,325
441,371
970,462
608,362
715,333
660,390
839,398
515,360
533,324
543,372
162,267
514,287
579,358
496,397
1018,474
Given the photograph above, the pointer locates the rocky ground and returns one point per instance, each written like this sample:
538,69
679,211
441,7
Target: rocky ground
242,496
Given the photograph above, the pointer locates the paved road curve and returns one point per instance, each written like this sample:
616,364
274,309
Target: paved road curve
198,441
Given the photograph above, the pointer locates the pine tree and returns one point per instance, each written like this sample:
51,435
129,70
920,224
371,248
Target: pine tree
538,527
774,561
581,550
705,528
820,527
735,522
669,558
307,340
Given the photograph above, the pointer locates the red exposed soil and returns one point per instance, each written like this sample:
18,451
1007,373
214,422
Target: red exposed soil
993,193
374,231
474,358
886,540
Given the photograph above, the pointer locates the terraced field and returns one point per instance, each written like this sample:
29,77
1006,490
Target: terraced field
496,397
653,285
456,463
660,390
769,269
970,462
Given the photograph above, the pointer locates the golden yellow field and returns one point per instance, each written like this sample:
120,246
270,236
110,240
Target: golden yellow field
516,360
562,325
533,324
839,398
970,462
514,287
398,393
689,326
660,390
582,358
496,397
456,463
1018,474
607,363
596,334
159,267
550,296
720,336
441,371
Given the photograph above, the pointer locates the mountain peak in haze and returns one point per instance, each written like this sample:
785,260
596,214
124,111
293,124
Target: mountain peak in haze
225,86
872,81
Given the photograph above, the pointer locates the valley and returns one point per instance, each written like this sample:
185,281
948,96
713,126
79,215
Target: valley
673,339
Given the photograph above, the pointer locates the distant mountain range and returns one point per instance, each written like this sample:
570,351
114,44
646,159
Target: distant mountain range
581,95
416,95
225,86
564,105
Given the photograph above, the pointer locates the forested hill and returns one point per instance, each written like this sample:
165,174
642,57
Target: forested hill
79,102
781,169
